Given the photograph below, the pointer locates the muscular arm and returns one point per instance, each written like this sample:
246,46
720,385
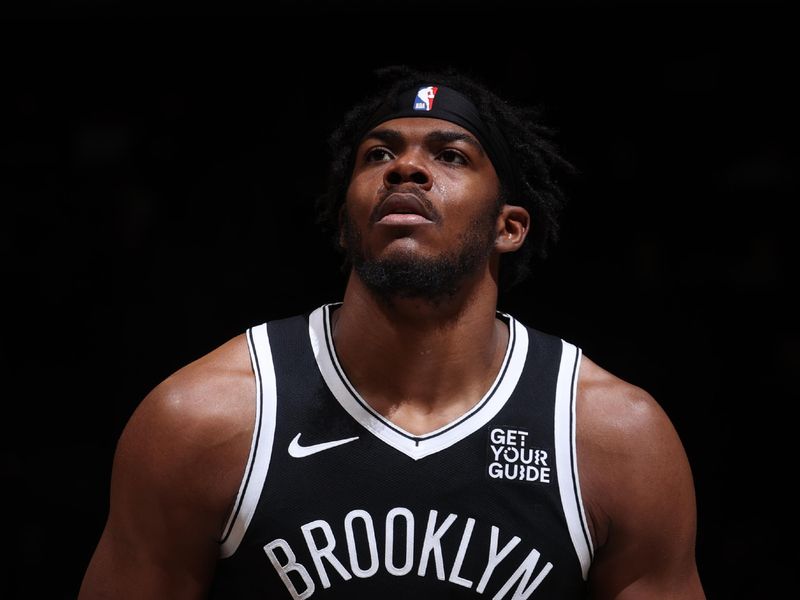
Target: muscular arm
638,491
175,476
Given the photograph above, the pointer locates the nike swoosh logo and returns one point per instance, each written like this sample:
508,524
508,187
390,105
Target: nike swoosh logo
298,451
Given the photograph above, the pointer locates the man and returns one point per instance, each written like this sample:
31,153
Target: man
411,440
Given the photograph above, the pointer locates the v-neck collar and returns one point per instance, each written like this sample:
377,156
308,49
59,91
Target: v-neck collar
416,446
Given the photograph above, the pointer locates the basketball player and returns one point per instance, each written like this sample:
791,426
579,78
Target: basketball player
410,441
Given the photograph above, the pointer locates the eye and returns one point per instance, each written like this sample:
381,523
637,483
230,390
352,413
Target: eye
453,157
378,154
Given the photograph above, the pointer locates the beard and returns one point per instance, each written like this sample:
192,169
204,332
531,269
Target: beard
405,274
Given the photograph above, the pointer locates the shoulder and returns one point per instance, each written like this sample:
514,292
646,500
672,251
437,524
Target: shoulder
212,389
175,477
210,395
629,454
190,436
613,409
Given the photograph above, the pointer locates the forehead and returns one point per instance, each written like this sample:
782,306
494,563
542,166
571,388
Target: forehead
420,127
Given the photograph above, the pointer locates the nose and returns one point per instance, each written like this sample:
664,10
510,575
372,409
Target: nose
408,167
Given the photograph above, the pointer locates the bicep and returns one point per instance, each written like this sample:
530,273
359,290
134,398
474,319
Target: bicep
649,551
642,497
125,568
160,539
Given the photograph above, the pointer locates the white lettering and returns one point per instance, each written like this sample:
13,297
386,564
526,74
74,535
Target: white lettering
497,436
495,557
523,573
511,454
433,543
374,561
317,554
389,557
365,560
515,462
510,471
455,572
291,565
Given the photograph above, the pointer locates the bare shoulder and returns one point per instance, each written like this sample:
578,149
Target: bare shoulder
192,432
628,449
637,489
176,474
616,415
213,392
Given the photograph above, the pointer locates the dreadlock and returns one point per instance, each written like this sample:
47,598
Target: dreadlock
537,161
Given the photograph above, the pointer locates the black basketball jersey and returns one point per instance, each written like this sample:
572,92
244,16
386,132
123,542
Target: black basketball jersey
338,502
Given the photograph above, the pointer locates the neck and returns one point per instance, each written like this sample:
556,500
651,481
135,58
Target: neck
417,362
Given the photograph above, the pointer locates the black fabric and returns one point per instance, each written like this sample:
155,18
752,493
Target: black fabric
372,480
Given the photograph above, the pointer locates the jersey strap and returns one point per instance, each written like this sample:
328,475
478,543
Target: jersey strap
261,445
566,462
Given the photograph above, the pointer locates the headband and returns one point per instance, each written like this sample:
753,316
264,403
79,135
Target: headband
439,102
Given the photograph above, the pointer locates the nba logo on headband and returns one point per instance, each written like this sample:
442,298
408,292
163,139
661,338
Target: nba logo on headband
424,99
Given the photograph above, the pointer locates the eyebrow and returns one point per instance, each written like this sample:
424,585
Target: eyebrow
436,136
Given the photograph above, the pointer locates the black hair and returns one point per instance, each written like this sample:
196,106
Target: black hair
538,163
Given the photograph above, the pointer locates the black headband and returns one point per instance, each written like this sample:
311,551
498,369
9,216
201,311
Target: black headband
440,102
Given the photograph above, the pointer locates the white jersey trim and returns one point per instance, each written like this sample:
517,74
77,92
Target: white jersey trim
414,446
255,472
566,458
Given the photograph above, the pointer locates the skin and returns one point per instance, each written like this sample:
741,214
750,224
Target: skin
180,459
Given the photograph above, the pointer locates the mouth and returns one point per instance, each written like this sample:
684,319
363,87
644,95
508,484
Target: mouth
402,208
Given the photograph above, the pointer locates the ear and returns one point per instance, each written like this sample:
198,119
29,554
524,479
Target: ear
513,225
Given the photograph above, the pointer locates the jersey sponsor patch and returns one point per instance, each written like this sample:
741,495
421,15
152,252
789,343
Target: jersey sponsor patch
512,455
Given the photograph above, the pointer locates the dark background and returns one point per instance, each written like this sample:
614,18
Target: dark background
157,174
